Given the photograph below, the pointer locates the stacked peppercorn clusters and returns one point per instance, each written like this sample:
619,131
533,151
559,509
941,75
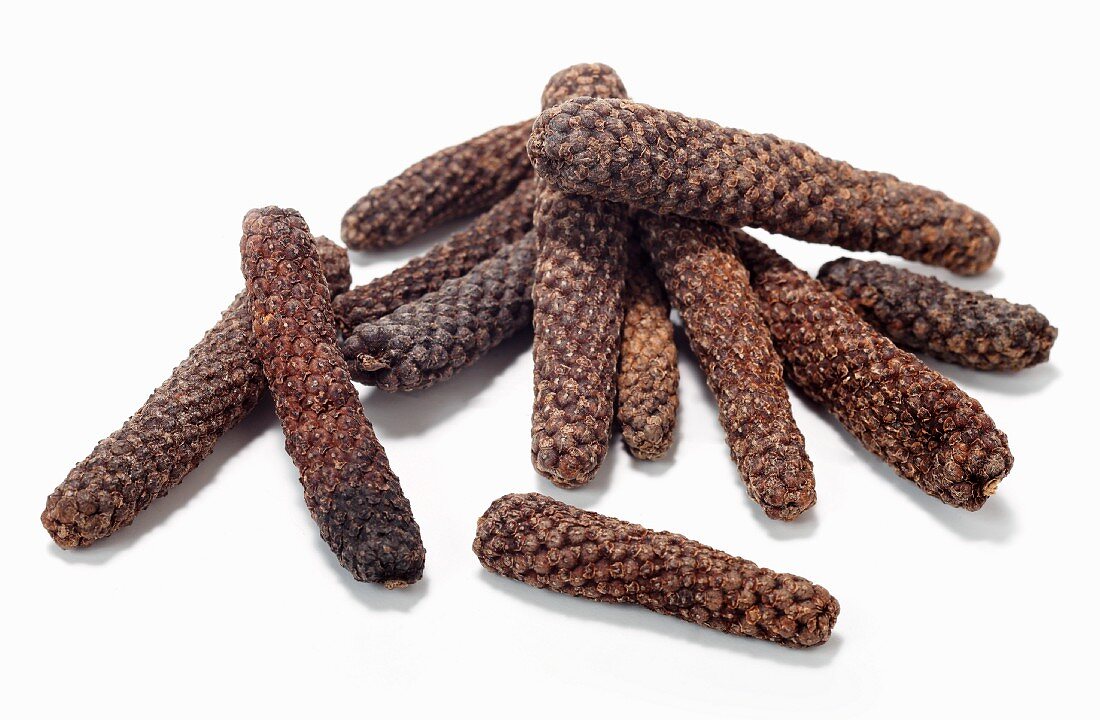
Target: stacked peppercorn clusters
596,219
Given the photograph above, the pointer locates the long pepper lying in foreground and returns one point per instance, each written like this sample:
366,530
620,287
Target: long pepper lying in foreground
456,181
668,163
711,290
208,393
915,419
925,314
505,223
349,487
431,338
577,312
648,379
548,544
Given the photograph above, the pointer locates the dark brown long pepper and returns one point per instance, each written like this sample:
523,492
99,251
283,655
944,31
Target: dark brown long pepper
915,419
456,181
505,223
428,340
924,314
349,487
577,314
207,394
668,163
710,288
548,544
648,379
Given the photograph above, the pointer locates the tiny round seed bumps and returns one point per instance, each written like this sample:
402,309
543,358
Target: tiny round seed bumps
669,163
428,340
456,181
925,314
349,487
548,544
210,392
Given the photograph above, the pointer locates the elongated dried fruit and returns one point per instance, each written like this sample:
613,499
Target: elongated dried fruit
208,393
548,544
435,336
710,288
671,164
924,314
456,181
349,487
577,316
648,378
914,418
506,222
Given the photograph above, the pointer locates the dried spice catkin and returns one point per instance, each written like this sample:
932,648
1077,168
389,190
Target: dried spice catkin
671,164
915,419
577,316
431,338
648,379
349,487
207,394
710,289
506,222
922,313
548,544
456,181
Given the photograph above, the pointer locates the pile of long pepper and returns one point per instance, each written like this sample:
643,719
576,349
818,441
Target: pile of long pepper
597,218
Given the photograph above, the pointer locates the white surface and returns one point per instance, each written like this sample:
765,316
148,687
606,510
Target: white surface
135,138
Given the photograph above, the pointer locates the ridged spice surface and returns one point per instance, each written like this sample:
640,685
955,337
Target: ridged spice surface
648,379
208,393
548,544
349,487
925,314
433,337
915,419
456,181
668,163
506,222
577,315
710,288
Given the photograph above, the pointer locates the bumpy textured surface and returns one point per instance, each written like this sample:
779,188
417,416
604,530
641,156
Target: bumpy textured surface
671,164
915,419
648,379
349,487
506,222
551,545
922,313
578,315
582,80
207,394
431,338
456,181
710,288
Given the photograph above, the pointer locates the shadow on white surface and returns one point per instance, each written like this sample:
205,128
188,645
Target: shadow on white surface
634,617
410,414
154,516
803,526
403,253
587,494
1029,381
373,595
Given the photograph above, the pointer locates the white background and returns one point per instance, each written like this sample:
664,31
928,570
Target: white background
134,138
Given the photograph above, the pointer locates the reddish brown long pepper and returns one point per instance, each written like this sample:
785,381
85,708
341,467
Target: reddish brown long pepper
548,544
710,288
456,181
210,392
505,223
915,419
577,314
349,487
648,378
668,163
921,313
